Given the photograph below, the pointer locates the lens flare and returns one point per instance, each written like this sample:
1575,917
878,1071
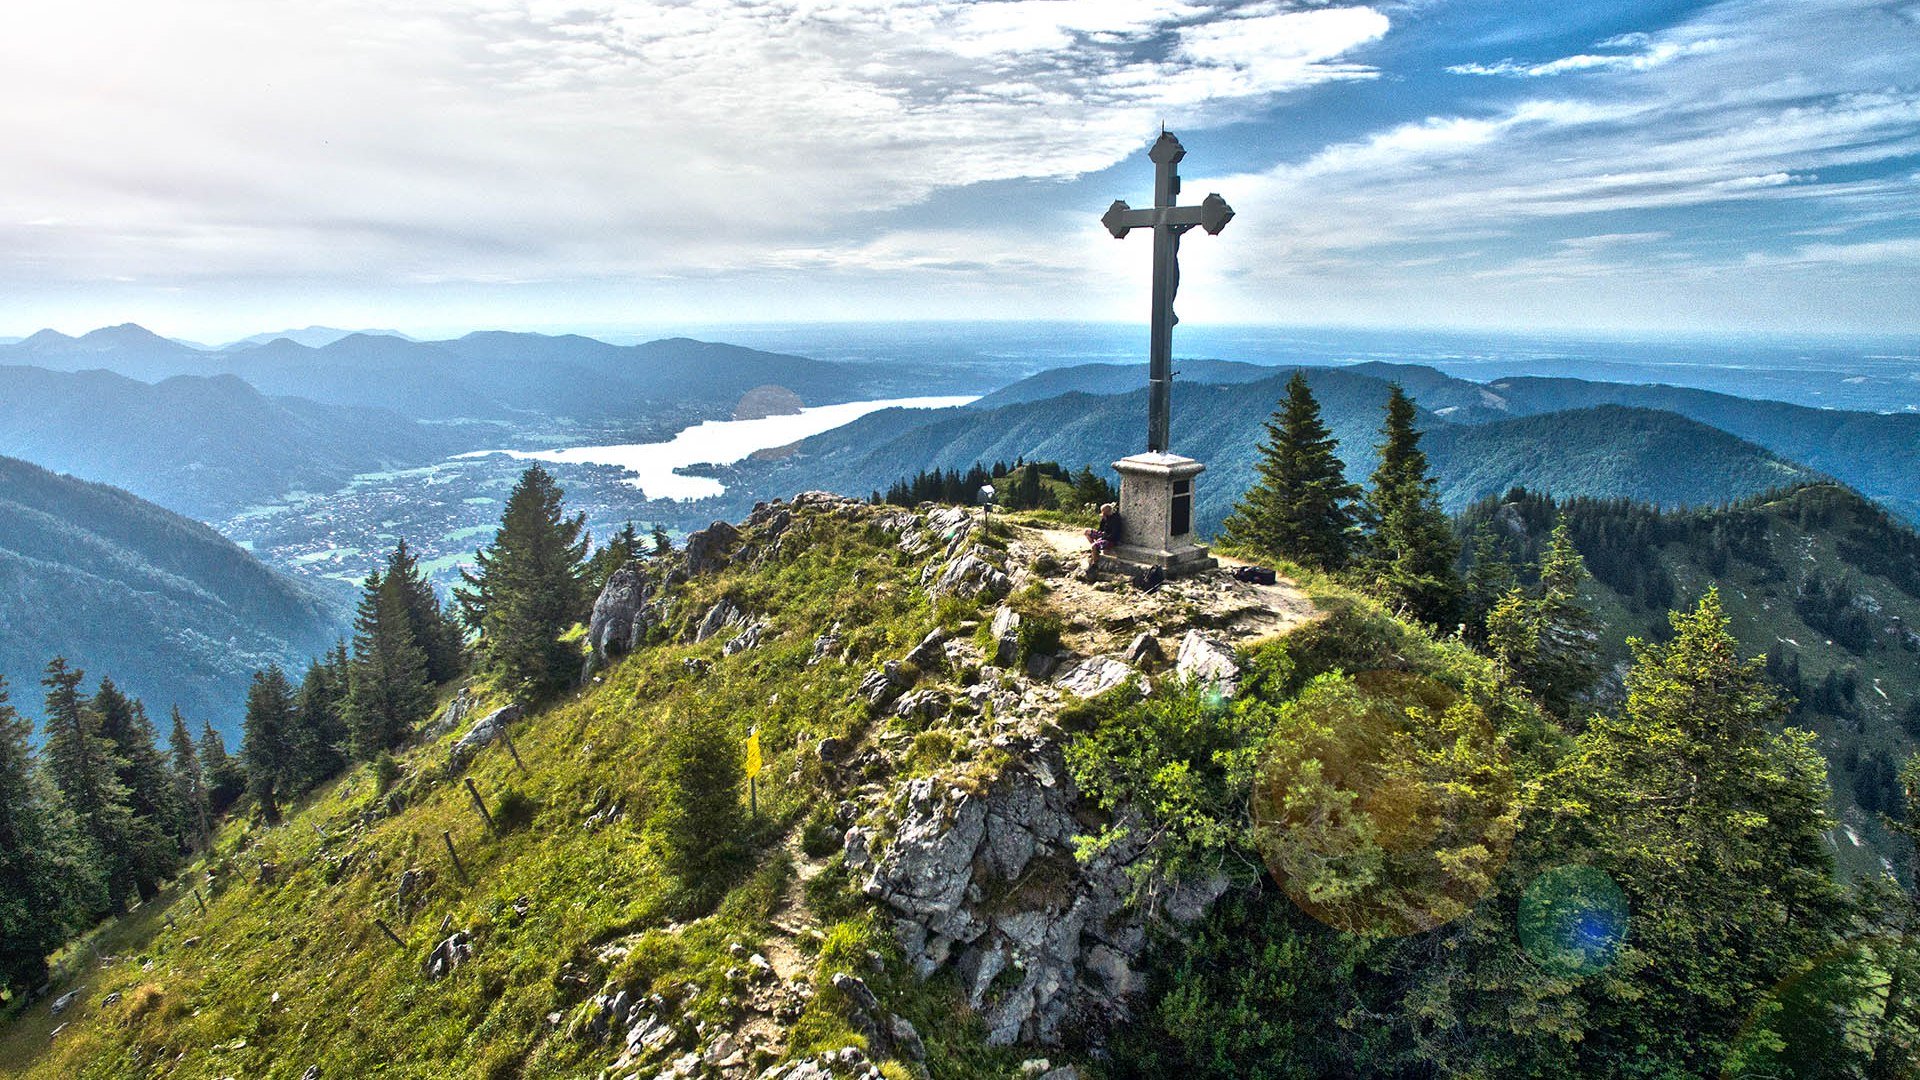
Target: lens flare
1573,920
1384,803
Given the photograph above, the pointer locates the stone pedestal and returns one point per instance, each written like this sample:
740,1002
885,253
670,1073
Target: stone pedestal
1156,513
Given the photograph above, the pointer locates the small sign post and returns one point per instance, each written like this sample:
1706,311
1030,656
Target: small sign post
754,764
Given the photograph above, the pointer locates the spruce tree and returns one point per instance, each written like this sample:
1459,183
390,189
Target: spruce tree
143,772
662,543
320,738
266,746
1300,507
528,588
47,884
190,796
437,636
698,817
1569,634
387,690
84,767
225,778
614,554
1413,546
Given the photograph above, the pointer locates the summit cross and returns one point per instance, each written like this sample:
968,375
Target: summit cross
1168,223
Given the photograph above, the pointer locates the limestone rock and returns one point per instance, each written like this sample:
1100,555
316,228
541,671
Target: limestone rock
483,733
707,550
929,653
1144,652
1005,631
452,716
971,575
1094,675
457,949
1207,660
749,637
906,1038
718,617
64,1002
624,613
885,683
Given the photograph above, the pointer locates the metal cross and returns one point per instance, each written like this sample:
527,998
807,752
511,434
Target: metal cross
1167,222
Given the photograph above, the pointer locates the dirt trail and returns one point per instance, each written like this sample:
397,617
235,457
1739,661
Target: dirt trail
1104,614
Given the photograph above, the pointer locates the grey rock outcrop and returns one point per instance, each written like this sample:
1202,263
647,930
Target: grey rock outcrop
987,885
708,549
483,734
457,949
718,617
626,611
1095,675
1005,631
1207,660
970,575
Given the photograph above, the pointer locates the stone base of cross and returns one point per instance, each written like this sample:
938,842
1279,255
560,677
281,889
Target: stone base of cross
1156,513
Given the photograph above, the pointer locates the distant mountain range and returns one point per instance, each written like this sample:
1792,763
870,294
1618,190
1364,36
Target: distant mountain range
1644,454
175,613
205,446
313,337
492,375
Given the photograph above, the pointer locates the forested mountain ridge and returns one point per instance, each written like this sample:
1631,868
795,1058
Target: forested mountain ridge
175,613
205,446
1643,454
1818,578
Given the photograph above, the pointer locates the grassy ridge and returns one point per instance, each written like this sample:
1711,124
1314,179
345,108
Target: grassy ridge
288,967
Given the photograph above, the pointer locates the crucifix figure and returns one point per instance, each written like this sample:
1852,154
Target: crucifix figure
1168,222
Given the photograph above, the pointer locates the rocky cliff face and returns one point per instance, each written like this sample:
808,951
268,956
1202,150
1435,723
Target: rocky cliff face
975,866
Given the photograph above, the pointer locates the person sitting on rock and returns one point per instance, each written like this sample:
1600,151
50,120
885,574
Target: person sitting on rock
1107,535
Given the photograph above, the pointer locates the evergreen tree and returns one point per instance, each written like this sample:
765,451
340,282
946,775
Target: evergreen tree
1712,821
320,738
190,794
1489,577
84,767
1300,507
1569,634
266,746
1091,490
614,554
698,818
437,636
47,883
662,543
387,691
528,588
143,772
1413,549
225,778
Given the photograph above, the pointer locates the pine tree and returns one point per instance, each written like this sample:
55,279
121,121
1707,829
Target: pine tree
266,746
1569,634
387,689
225,778
1712,820
614,554
437,636
190,795
47,885
143,772
1300,507
1413,549
528,588
85,769
320,738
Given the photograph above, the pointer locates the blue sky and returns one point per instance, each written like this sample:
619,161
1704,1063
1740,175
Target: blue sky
217,168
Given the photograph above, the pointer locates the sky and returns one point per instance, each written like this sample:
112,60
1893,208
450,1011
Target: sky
214,168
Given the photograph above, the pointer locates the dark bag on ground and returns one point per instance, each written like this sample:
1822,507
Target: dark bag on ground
1256,575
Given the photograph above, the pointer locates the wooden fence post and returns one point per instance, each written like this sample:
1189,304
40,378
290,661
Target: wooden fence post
388,930
447,836
480,804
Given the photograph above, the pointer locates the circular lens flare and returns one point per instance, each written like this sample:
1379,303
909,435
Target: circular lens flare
1573,920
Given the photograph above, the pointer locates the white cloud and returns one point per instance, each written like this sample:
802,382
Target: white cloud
541,139
1650,56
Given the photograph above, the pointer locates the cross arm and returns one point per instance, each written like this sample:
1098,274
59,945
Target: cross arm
1212,214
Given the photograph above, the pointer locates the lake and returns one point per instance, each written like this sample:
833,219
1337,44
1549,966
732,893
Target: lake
716,442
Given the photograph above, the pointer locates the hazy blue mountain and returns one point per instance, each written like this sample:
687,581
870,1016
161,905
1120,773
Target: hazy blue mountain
313,337
1644,454
173,611
128,349
657,386
202,446
1876,453
1609,451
